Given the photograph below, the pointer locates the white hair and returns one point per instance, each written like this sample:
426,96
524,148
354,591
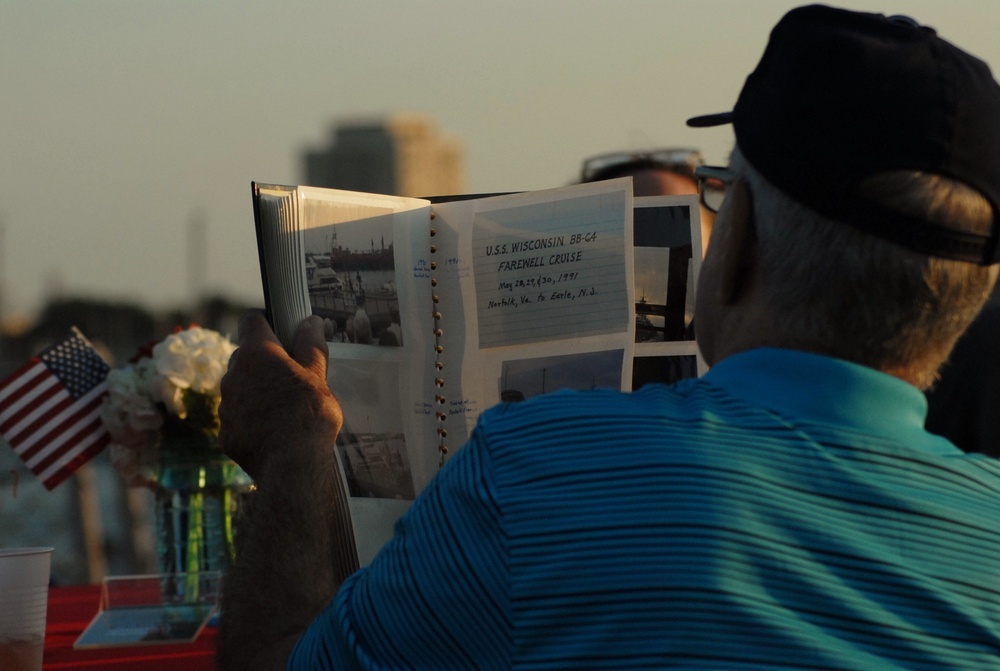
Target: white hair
855,296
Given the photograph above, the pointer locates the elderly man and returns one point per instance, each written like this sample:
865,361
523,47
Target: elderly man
787,510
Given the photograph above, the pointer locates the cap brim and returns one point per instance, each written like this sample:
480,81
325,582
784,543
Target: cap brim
708,120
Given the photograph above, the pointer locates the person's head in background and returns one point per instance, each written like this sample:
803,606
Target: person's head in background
656,172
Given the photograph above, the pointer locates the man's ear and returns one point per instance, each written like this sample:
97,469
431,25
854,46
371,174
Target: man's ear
739,245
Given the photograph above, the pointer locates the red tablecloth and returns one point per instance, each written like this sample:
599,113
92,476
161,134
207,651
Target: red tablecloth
70,611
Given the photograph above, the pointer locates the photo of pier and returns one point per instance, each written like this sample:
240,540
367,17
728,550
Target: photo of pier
351,273
371,445
376,465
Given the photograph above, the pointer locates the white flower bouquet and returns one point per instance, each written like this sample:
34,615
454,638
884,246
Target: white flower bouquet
166,399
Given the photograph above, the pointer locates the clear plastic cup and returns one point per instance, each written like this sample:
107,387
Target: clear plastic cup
24,596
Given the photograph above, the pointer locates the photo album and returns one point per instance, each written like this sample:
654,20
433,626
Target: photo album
436,309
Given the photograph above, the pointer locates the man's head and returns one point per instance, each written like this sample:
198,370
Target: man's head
866,196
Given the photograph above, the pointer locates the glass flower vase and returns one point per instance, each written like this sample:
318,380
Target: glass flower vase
198,496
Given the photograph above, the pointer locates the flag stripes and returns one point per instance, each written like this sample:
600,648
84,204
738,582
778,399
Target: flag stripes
50,409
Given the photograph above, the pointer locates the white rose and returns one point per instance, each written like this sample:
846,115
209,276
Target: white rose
163,390
145,375
194,359
127,412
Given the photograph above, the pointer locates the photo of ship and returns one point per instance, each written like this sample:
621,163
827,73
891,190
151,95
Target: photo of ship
352,288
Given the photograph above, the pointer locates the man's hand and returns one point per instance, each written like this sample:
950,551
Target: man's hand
280,422
276,404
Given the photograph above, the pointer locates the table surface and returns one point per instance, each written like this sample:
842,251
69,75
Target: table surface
71,609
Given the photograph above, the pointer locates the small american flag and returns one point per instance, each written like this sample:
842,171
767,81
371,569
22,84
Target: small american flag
50,409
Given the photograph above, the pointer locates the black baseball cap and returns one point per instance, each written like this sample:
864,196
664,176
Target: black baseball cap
840,96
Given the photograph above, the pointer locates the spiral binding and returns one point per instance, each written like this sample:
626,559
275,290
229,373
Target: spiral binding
439,397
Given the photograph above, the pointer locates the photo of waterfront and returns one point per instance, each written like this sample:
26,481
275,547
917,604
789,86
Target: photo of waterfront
663,270
351,274
521,379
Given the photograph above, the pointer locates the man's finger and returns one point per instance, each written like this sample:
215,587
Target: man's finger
309,347
254,329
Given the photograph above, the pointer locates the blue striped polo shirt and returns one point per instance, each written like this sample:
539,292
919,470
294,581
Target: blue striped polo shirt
785,511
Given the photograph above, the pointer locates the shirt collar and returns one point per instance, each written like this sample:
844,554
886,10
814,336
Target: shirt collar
818,388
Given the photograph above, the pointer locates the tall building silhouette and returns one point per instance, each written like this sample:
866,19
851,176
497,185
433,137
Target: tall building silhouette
403,155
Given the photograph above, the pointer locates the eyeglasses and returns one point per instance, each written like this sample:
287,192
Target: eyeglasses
712,183
675,159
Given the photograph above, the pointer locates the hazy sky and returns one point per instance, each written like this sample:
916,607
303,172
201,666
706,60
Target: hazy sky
123,121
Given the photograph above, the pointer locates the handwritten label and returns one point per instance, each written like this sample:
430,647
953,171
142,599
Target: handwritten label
421,269
550,271
465,407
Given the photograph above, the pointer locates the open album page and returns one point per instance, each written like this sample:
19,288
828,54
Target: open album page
357,268
435,313
536,293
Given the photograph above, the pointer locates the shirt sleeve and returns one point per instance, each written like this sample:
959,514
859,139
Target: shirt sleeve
436,596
